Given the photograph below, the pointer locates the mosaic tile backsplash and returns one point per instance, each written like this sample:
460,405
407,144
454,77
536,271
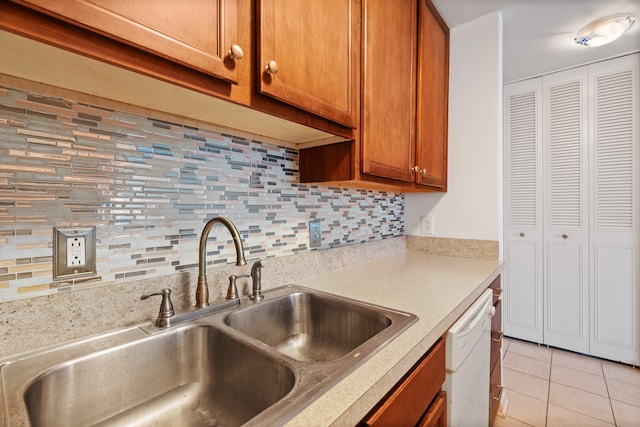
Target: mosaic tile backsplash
149,186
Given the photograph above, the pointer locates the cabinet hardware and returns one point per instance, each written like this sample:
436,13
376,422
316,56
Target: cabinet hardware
521,234
564,236
499,335
414,168
236,52
499,396
272,67
497,293
423,172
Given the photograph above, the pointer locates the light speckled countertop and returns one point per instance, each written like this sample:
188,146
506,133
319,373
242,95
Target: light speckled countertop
437,289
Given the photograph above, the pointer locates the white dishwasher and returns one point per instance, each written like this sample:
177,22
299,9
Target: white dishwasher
468,347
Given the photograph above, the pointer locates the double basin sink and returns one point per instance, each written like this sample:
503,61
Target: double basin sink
237,363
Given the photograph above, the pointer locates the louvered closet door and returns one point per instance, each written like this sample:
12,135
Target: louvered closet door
614,151
566,251
523,225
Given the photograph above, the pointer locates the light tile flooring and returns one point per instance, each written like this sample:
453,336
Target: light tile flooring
552,387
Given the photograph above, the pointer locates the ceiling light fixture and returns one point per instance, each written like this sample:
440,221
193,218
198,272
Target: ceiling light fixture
604,30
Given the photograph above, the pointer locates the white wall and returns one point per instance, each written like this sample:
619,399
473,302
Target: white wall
472,208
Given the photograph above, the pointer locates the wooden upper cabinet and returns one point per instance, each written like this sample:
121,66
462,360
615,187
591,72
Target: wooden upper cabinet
402,143
389,88
433,95
308,55
195,33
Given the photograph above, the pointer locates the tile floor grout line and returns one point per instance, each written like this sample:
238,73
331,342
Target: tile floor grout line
546,416
606,384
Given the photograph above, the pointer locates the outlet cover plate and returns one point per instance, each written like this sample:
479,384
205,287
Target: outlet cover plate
315,236
68,261
426,225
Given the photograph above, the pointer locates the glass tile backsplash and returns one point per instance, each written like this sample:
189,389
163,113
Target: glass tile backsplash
149,186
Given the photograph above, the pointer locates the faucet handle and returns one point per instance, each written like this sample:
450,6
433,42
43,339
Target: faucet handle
166,307
232,290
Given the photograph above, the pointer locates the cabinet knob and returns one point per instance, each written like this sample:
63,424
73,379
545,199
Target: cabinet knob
236,52
423,172
521,234
272,67
415,168
564,236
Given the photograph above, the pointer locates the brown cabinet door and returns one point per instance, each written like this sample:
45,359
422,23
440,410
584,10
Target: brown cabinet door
433,93
311,49
389,88
196,33
414,394
436,415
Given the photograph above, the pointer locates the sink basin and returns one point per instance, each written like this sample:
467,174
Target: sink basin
235,363
310,327
192,376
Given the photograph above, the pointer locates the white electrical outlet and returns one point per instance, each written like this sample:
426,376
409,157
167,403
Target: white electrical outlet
76,251
426,224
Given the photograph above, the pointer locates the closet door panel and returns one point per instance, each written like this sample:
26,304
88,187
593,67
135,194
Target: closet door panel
615,297
615,240
523,290
565,138
566,319
523,206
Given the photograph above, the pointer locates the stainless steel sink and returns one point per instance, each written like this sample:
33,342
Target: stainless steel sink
309,326
190,376
244,364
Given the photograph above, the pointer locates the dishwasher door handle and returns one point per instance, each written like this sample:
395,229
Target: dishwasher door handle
476,314
471,324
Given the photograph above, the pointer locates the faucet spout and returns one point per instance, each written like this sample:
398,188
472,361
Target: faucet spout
202,290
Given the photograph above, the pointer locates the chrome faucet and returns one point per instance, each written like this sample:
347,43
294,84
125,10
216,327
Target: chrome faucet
202,290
